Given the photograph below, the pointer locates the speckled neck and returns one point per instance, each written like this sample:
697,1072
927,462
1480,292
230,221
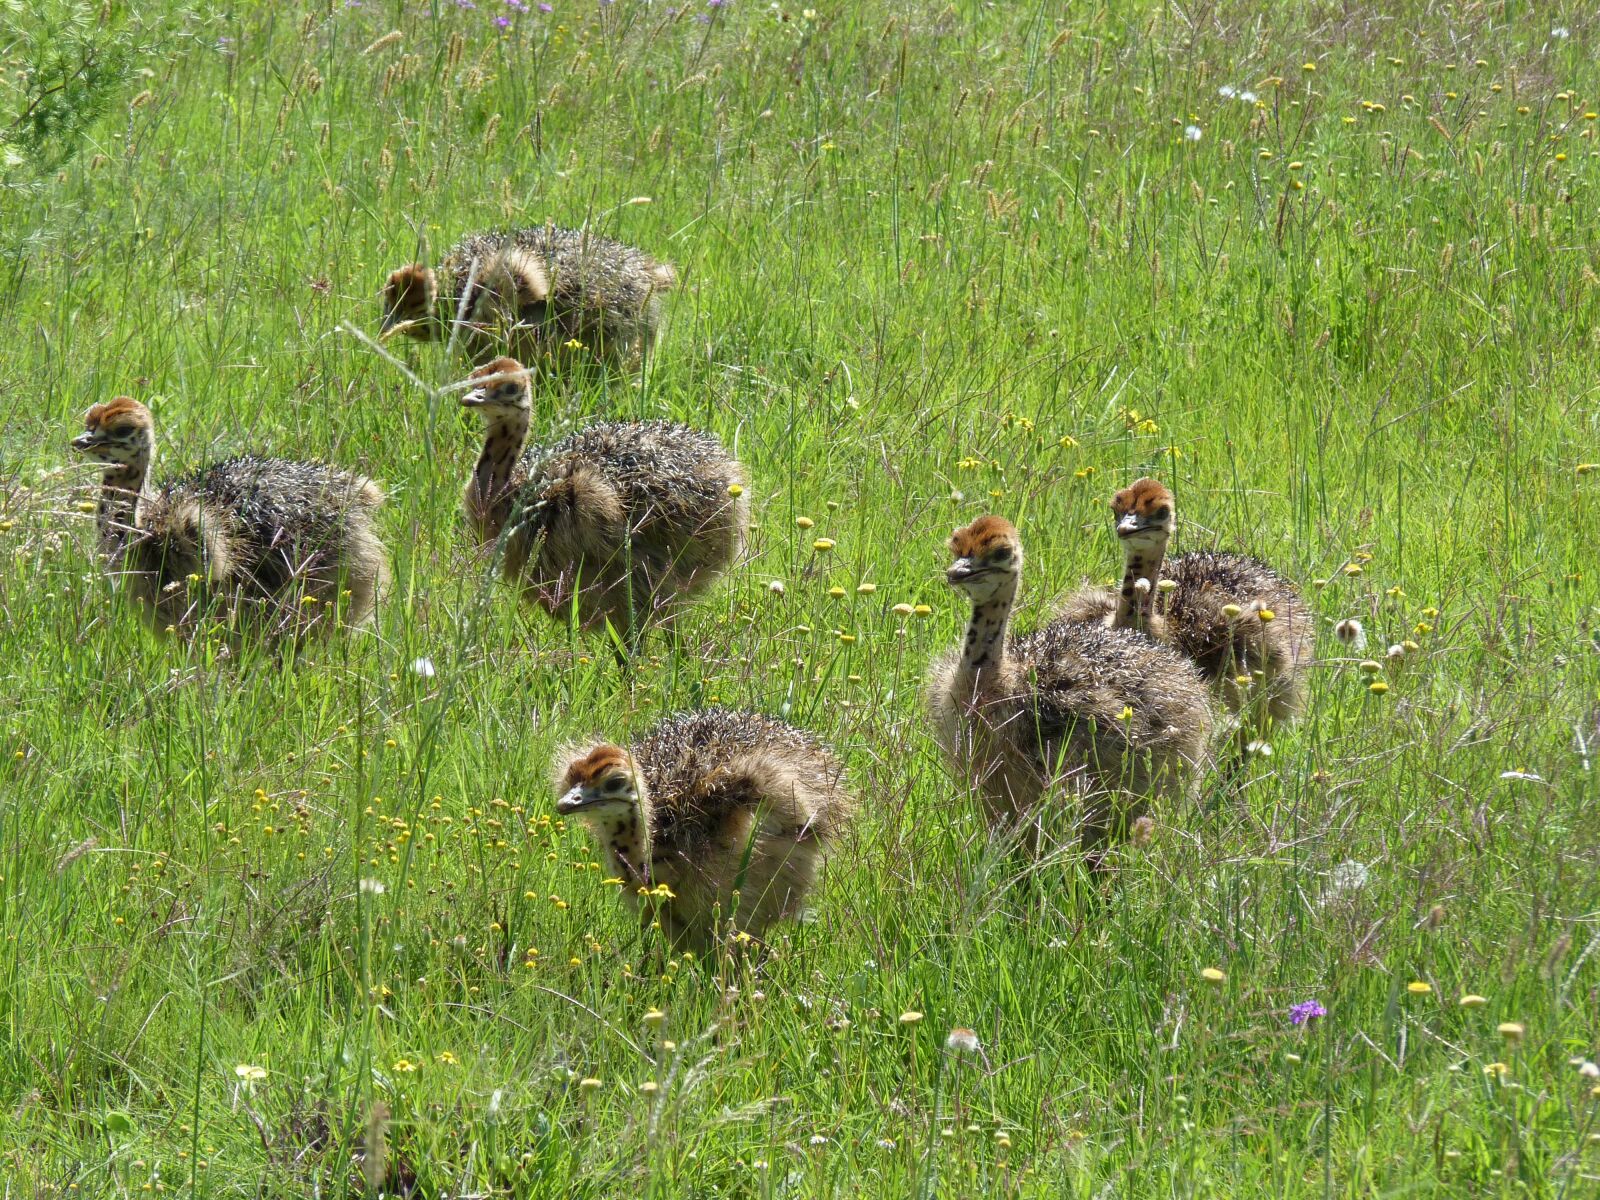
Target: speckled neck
491,477
120,488
984,650
1135,608
628,841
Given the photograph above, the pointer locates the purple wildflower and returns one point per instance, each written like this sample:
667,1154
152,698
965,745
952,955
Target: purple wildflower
1306,1012
547,8
520,6
503,22
466,4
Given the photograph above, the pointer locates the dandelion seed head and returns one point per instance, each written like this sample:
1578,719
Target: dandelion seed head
961,1041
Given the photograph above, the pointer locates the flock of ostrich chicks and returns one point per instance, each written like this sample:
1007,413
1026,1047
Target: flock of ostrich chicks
723,818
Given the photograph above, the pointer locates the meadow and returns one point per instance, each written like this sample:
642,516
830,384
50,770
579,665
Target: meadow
308,926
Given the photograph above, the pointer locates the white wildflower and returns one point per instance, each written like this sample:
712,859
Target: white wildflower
1348,876
1192,133
961,1041
423,667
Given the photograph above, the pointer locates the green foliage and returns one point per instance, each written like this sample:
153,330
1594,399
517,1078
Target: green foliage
66,62
937,260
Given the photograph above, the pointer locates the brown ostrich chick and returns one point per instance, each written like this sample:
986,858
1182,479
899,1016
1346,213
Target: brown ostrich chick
709,817
1239,621
1108,713
629,519
554,298
282,546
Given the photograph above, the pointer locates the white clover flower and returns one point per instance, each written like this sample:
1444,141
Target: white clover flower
1227,91
1247,97
1561,33
1192,133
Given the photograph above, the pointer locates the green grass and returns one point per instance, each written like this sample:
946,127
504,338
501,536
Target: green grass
921,245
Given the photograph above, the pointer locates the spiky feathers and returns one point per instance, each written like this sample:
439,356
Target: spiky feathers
1107,711
263,535
733,801
632,517
534,292
1185,609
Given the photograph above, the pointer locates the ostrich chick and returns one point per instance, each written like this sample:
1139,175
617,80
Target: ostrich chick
539,294
275,540
1107,711
731,811
1239,621
628,518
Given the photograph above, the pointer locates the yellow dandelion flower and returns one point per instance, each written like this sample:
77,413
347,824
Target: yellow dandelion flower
822,545
649,1087
1512,1031
1213,975
653,1018
902,610
1418,988
910,1018
804,522
1473,1000
736,489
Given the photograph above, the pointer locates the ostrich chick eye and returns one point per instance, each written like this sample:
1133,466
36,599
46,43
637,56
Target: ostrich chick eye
1000,554
1160,514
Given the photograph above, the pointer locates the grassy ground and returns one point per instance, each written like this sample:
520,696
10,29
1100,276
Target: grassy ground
938,260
